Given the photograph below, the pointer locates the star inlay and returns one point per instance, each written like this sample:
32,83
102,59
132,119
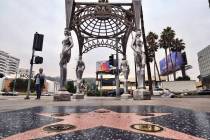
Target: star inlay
107,118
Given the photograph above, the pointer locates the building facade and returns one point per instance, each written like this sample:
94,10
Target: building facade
8,64
24,73
204,66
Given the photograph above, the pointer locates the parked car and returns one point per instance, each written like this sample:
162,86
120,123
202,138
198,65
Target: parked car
158,91
10,94
204,92
46,94
113,92
168,94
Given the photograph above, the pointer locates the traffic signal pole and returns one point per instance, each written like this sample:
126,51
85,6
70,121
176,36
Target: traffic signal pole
30,76
37,46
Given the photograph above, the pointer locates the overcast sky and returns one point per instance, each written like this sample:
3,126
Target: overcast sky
20,19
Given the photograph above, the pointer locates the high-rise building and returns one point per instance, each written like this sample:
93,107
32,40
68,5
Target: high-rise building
8,64
3,62
204,66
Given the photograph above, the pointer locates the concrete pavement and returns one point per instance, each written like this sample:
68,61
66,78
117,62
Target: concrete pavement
9,103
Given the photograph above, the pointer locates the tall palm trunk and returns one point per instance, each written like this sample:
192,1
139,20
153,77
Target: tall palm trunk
175,65
157,68
166,53
155,72
172,64
146,50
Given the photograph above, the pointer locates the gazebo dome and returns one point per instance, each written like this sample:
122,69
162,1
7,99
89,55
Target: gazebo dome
103,20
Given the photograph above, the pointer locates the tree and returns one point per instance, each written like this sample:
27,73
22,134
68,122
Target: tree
1,75
21,85
166,42
186,78
70,87
178,46
152,48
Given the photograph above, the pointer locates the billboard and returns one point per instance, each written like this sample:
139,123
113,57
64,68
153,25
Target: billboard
108,82
103,66
175,59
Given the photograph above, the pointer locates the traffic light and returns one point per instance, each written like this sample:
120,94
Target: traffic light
209,3
111,60
38,60
38,42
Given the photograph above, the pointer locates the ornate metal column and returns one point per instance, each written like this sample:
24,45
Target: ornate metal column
98,24
65,55
140,59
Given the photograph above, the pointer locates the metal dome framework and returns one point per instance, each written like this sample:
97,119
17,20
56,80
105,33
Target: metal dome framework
101,24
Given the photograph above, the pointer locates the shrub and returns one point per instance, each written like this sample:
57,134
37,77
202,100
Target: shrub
21,85
70,87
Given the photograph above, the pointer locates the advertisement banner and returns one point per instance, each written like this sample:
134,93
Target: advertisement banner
103,66
175,61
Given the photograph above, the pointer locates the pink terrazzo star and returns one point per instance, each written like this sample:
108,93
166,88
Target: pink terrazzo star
111,119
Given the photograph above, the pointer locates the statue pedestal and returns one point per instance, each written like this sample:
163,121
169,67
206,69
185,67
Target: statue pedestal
125,96
141,94
62,96
78,96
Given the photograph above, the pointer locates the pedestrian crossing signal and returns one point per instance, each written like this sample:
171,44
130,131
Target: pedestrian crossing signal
38,60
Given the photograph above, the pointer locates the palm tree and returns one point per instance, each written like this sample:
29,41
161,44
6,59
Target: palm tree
152,48
165,42
178,46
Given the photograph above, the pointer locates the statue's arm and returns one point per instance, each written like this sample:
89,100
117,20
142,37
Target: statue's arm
128,68
144,58
133,43
71,41
77,66
121,66
83,65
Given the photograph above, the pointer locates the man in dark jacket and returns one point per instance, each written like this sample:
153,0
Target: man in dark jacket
39,83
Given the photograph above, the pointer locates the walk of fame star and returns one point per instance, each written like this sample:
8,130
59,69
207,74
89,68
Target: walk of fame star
106,118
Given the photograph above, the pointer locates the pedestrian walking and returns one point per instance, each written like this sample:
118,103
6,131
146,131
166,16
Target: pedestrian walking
39,83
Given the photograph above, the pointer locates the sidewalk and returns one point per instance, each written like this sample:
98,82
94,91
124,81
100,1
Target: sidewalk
8,103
